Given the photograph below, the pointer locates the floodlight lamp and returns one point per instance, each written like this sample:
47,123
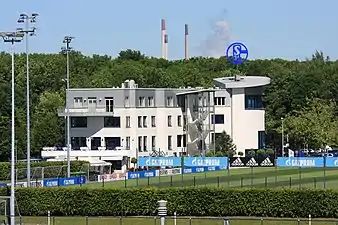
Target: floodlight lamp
23,15
21,20
19,29
63,49
35,14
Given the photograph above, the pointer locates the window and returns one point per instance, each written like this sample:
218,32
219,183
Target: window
253,102
151,101
141,101
217,119
179,121
153,121
145,121
91,101
169,121
78,102
219,101
109,104
261,139
78,122
112,121
170,101
127,121
139,143
169,143
153,142
78,142
126,102
145,140
128,143
139,121
179,140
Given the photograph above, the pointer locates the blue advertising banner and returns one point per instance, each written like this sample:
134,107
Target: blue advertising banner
300,162
203,169
3,185
205,161
64,181
159,161
141,174
331,161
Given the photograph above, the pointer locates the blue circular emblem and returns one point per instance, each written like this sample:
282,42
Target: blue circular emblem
237,53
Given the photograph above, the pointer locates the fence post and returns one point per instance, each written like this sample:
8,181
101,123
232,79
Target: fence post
190,221
276,171
48,218
251,176
102,181
171,181
262,221
315,182
300,178
194,181
125,182
226,222
205,179
53,220
20,220
228,176
121,220
148,181
175,219
218,182
155,220
137,180
241,181
310,222
87,221
290,182
266,182
298,221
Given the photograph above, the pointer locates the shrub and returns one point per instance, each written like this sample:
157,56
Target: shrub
184,201
5,168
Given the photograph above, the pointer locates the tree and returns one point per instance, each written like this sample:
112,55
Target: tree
224,145
315,125
133,161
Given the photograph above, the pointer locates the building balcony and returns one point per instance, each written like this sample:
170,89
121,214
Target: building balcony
86,111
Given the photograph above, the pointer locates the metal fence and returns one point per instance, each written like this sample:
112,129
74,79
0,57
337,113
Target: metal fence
255,177
170,221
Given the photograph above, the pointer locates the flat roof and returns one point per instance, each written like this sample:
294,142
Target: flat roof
242,81
195,91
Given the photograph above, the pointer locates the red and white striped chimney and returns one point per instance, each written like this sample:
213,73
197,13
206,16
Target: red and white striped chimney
186,42
163,34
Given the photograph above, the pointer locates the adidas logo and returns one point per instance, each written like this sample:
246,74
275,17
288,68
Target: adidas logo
267,162
237,162
252,162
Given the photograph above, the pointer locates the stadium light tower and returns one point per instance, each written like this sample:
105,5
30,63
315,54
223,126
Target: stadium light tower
28,20
12,37
67,40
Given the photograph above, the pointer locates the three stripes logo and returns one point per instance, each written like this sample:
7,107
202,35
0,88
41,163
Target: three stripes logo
267,162
237,162
252,162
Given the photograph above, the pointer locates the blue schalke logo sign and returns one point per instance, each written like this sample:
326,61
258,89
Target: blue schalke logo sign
237,53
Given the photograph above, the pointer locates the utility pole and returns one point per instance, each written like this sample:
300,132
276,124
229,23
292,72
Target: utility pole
12,37
28,31
67,40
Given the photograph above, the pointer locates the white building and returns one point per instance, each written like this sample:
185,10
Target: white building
112,124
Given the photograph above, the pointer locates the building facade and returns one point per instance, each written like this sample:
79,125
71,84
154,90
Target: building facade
115,123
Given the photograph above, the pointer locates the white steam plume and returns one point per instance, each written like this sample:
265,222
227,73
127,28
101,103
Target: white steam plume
215,44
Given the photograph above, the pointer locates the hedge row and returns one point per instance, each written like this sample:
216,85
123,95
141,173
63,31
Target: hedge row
184,201
51,169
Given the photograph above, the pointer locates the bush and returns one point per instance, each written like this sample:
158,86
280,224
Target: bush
184,201
5,168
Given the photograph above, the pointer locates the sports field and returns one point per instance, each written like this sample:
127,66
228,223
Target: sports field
260,177
170,221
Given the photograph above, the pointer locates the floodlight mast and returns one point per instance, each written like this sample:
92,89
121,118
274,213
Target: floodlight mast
67,40
12,37
28,20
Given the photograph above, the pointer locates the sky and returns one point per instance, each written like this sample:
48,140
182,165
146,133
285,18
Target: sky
288,29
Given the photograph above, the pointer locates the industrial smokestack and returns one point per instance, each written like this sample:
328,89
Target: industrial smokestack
163,33
186,42
166,40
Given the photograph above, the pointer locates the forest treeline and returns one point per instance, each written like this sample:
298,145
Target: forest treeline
303,92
